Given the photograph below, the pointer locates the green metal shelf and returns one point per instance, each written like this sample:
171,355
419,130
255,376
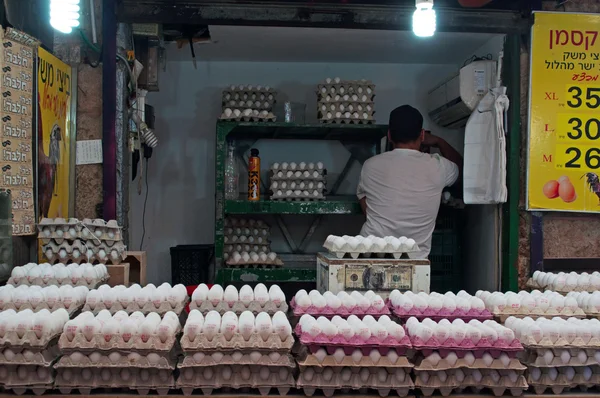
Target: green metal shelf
333,205
275,275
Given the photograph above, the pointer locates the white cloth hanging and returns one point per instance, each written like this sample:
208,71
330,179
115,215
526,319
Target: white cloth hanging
485,151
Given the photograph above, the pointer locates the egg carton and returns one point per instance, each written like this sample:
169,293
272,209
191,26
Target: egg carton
342,105
365,361
462,347
545,342
71,309
132,307
445,388
263,231
250,264
230,248
21,356
19,376
562,382
90,284
30,388
249,89
263,378
437,316
78,252
98,360
532,285
338,96
88,379
59,229
237,359
261,243
510,375
346,121
238,307
388,250
330,344
294,197
537,358
116,342
330,380
344,312
551,312
298,175
423,364
29,340
260,118
235,222
255,342
264,105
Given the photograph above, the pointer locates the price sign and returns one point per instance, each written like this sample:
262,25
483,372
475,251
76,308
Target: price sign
564,118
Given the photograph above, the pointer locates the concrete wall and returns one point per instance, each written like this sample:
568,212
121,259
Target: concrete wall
565,235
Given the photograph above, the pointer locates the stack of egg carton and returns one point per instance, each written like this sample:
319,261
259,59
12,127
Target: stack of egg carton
81,241
248,103
346,101
535,304
245,352
136,352
343,304
29,349
37,298
560,354
352,354
437,306
254,300
246,242
588,302
134,298
355,246
85,274
302,181
565,283
456,356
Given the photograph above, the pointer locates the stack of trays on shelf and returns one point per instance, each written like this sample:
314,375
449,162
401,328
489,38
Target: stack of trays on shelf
353,354
248,103
134,298
560,354
565,283
346,101
231,352
81,241
86,274
588,302
36,298
535,304
29,350
342,304
246,244
118,351
247,299
457,356
355,246
302,181
437,306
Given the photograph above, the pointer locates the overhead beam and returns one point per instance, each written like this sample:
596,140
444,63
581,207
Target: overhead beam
348,16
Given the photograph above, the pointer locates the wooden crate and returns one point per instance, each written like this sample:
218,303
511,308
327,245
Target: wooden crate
119,274
137,267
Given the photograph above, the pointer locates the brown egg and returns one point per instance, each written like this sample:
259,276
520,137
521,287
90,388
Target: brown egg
566,190
551,189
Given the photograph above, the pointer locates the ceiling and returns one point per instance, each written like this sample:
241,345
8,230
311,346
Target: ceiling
277,44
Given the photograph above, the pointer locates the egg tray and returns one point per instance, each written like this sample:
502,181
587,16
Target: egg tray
45,357
71,309
341,311
562,383
436,316
168,362
322,177
536,359
237,359
250,264
92,284
29,340
269,118
231,247
31,387
159,380
219,343
243,222
357,379
484,345
10,377
238,307
313,360
342,105
297,198
347,121
59,224
530,343
209,379
338,341
371,254
115,342
501,388
533,286
422,364
132,307
551,312
52,254
337,97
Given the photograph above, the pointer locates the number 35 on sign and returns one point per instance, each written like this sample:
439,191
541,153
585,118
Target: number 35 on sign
563,165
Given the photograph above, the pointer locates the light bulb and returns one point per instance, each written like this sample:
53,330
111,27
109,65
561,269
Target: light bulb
424,21
64,15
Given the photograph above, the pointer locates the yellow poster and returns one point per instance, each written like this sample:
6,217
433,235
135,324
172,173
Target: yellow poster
564,116
54,136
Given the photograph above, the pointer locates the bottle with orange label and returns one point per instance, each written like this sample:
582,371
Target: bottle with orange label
254,175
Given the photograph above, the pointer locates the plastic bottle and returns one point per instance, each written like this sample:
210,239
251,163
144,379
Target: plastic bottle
231,174
254,175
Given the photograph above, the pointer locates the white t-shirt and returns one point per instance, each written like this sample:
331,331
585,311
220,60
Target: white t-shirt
403,189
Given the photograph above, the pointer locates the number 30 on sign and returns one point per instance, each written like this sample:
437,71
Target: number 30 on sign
563,165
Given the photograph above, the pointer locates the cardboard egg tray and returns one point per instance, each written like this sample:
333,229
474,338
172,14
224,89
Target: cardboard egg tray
277,263
247,247
436,316
562,383
298,175
238,307
423,364
270,117
346,87
344,312
347,121
90,284
133,306
533,285
61,230
71,309
116,342
305,196
342,105
500,346
523,312
338,341
332,379
29,341
243,222
450,385
152,360
143,380
78,252
372,254
237,358
560,343
263,232
535,357
219,343
366,361
21,356
263,378
249,90
20,378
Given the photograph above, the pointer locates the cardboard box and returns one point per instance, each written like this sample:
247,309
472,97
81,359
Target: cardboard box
137,267
118,274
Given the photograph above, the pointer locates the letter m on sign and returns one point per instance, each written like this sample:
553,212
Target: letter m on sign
547,158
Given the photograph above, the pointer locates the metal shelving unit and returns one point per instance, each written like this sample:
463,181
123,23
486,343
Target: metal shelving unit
362,141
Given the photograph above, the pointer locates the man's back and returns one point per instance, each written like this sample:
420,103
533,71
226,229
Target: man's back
403,188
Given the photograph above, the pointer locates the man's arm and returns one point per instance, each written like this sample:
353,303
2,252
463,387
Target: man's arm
363,205
361,194
445,149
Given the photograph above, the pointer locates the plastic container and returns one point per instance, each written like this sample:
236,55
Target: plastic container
190,264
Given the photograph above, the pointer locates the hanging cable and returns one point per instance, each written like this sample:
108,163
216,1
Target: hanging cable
145,203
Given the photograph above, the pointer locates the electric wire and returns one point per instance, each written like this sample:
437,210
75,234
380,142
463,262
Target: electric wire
145,203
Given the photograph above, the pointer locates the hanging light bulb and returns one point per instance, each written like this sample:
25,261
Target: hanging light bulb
424,18
64,15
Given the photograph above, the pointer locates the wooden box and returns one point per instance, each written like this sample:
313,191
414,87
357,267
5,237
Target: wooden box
137,267
119,274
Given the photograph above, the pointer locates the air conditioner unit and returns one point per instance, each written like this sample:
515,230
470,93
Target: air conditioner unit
450,104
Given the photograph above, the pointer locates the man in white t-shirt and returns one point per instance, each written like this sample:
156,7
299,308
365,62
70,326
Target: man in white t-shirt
400,191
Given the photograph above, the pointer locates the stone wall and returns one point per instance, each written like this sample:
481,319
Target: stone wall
565,235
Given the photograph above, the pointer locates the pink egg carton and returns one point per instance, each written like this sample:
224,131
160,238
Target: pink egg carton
442,314
342,311
495,349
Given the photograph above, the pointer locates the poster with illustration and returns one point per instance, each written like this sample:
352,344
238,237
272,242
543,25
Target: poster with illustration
564,114
54,137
